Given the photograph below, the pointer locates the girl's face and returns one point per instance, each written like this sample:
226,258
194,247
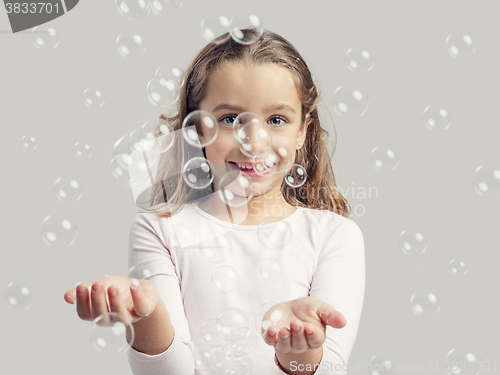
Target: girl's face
268,91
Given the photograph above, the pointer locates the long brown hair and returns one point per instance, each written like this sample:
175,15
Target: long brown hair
320,189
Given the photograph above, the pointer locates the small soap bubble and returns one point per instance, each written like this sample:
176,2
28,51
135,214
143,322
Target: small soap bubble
201,358
252,134
436,118
119,172
460,45
380,365
241,23
29,143
165,7
349,101
18,296
211,333
68,189
424,304
412,242
215,247
225,279
277,158
181,236
82,150
200,128
111,333
457,268
45,38
233,187
93,98
198,173
464,362
135,10
486,181
384,158
213,26
274,232
162,92
233,324
130,45
359,60
272,314
296,176
270,270
244,345
58,231
225,361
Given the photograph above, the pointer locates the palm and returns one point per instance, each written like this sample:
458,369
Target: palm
308,314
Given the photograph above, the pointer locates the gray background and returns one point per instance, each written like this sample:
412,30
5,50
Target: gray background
431,190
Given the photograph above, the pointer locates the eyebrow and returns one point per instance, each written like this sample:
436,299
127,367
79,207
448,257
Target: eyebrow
269,108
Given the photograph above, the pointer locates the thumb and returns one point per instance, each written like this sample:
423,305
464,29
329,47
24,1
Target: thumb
332,317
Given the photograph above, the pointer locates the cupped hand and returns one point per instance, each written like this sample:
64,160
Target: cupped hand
134,299
306,329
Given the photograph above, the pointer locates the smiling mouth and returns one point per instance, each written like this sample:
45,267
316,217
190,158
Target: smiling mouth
249,167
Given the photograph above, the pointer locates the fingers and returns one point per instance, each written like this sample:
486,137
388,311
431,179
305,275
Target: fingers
284,343
82,302
299,341
98,300
141,307
116,303
333,318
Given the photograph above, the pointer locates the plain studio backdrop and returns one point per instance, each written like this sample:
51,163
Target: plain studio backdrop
432,190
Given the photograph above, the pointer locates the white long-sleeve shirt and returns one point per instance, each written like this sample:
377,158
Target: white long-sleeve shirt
324,258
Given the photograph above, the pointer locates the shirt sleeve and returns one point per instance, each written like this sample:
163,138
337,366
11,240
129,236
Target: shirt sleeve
149,258
340,280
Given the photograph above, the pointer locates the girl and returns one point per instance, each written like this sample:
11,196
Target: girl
208,276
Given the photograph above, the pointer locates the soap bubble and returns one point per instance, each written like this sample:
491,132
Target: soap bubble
436,118
111,333
58,231
296,176
225,279
18,296
68,189
198,173
270,270
245,20
457,268
162,92
349,101
45,38
232,188
214,25
384,159
224,361
233,324
459,45
464,362
135,10
130,44
274,232
93,98
252,134
380,365
165,7
275,159
412,242
215,247
486,181
200,128
359,60
29,143
82,150
272,314
424,304
211,333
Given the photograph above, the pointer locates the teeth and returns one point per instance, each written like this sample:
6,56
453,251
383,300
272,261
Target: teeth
243,167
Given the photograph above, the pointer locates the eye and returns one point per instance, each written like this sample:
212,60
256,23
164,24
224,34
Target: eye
273,123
